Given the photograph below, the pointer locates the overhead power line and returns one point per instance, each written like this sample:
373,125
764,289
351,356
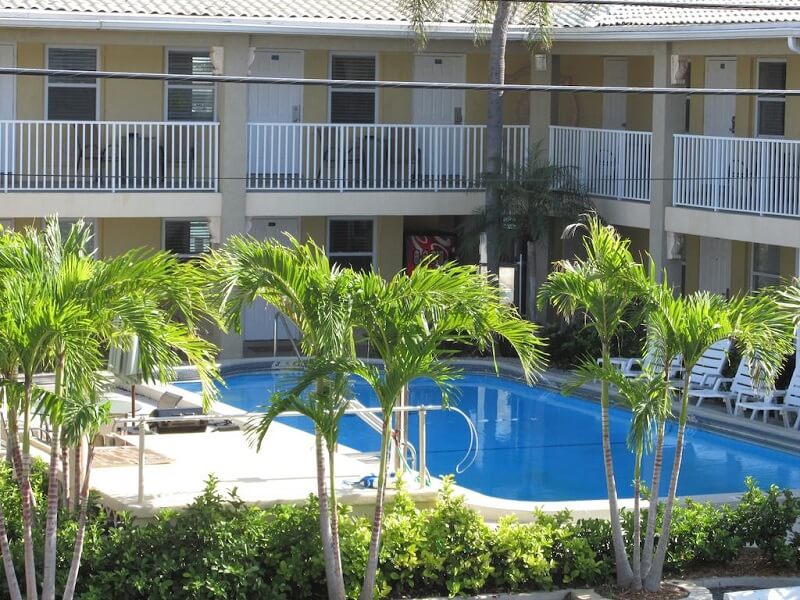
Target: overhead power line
360,84
683,4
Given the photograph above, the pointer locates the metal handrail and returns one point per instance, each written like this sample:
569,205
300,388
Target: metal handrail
279,317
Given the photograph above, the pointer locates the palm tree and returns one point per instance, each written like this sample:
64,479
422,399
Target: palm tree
606,289
62,309
533,14
532,196
412,322
762,331
316,296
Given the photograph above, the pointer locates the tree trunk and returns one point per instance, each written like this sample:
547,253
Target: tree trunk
335,549
653,580
335,586
13,442
368,588
652,505
76,473
31,591
51,521
624,571
8,561
494,128
65,481
72,578
637,527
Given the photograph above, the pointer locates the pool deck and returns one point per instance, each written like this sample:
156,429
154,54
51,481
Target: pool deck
285,470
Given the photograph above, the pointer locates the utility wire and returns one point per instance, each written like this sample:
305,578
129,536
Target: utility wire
423,85
683,4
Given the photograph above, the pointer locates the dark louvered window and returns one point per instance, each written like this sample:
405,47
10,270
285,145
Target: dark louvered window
771,112
72,98
351,243
189,101
353,105
187,238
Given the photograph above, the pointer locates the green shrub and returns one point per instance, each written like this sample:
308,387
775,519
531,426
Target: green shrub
702,534
456,549
766,520
403,540
522,555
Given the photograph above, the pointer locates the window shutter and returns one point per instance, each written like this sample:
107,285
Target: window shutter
187,238
72,59
771,118
352,107
772,76
189,63
72,103
350,236
361,68
187,101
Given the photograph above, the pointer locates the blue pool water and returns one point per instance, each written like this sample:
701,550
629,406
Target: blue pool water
535,444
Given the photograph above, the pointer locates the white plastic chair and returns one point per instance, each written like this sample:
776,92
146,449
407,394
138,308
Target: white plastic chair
709,368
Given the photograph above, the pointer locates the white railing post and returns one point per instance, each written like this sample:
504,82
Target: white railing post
142,459
763,170
621,140
423,447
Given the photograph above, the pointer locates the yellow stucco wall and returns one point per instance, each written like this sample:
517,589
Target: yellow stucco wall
744,105
583,110
117,236
314,228
696,103
30,90
740,267
640,241
788,262
640,106
793,104
133,100
390,245
692,254
395,106
315,98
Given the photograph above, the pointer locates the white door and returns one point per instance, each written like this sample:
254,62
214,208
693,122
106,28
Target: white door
715,265
719,111
440,151
258,319
615,106
7,103
276,149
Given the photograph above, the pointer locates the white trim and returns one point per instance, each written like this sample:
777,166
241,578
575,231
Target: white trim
758,100
188,85
346,27
331,89
98,67
373,255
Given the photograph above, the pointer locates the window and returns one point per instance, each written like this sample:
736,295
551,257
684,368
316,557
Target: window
187,238
771,112
766,265
351,243
353,105
72,98
189,101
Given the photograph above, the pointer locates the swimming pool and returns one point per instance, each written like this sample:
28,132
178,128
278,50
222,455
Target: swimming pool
535,444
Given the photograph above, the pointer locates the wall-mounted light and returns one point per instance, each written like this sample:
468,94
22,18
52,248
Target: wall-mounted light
679,70
540,62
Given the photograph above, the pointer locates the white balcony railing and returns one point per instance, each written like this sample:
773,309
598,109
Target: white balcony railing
307,156
609,163
760,176
108,156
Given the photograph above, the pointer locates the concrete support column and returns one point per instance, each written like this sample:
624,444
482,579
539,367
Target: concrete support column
668,119
233,156
541,103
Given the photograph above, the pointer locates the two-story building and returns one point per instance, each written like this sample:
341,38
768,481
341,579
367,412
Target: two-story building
708,185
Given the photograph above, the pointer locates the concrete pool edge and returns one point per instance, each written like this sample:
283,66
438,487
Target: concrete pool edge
490,507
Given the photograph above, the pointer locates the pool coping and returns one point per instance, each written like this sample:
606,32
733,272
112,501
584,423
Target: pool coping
491,507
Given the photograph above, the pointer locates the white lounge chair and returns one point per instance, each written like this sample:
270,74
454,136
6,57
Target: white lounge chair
770,403
633,367
709,368
730,390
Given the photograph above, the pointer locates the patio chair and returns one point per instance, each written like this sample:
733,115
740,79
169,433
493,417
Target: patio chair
770,403
633,367
168,400
709,368
730,390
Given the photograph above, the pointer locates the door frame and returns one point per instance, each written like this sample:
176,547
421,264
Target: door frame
302,54
13,46
705,84
606,60
462,75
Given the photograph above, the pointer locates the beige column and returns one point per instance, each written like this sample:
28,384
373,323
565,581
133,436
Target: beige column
233,156
668,119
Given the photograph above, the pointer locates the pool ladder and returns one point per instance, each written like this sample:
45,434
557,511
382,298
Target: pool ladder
408,453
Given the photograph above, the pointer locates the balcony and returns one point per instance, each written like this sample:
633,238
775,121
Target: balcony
608,163
108,156
757,176
306,156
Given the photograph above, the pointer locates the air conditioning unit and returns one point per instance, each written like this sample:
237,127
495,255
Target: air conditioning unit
675,246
